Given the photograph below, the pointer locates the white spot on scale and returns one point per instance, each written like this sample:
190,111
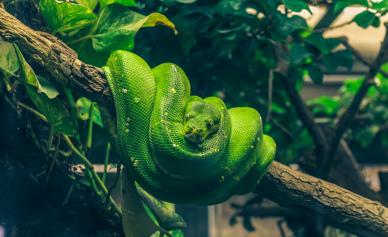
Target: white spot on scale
174,145
252,146
126,130
135,163
136,100
173,90
125,91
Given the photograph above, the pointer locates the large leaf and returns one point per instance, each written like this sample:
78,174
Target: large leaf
287,25
119,26
91,4
65,16
341,4
116,30
297,5
55,111
366,19
338,58
41,84
83,107
9,64
127,3
324,45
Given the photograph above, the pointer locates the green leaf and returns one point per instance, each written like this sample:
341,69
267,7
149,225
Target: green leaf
117,29
170,2
127,3
315,73
338,58
9,64
380,6
26,71
65,16
177,233
341,4
324,45
55,111
297,5
91,4
298,53
287,25
324,104
83,106
47,88
365,19
41,84
119,26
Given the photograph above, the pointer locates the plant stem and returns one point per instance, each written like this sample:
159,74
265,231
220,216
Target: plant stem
90,168
89,137
34,111
106,161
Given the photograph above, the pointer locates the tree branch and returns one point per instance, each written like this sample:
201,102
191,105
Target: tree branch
282,184
306,117
340,207
347,117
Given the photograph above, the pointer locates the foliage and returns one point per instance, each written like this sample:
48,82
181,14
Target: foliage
95,34
370,125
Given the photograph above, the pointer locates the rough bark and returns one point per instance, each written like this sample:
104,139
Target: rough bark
340,207
288,187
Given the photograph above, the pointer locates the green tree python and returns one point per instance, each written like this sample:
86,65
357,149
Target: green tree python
182,148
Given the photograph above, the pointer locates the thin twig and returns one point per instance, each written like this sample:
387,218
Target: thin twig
270,93
333,27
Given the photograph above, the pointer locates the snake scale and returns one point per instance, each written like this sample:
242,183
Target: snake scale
182,148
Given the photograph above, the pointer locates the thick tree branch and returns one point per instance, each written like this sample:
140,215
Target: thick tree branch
340,207
60,61
282,184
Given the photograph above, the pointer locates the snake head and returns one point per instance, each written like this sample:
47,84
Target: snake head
201,121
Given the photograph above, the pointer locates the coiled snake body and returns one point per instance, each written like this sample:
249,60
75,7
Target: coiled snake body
182,148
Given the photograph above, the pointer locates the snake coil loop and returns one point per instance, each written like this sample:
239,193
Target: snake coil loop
182,148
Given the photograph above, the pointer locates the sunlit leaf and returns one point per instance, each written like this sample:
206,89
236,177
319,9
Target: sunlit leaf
41,84
127,3
91,4
9,64
47,88
65,16
325,104
119,26
55,111
117,29
341,4
83,107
